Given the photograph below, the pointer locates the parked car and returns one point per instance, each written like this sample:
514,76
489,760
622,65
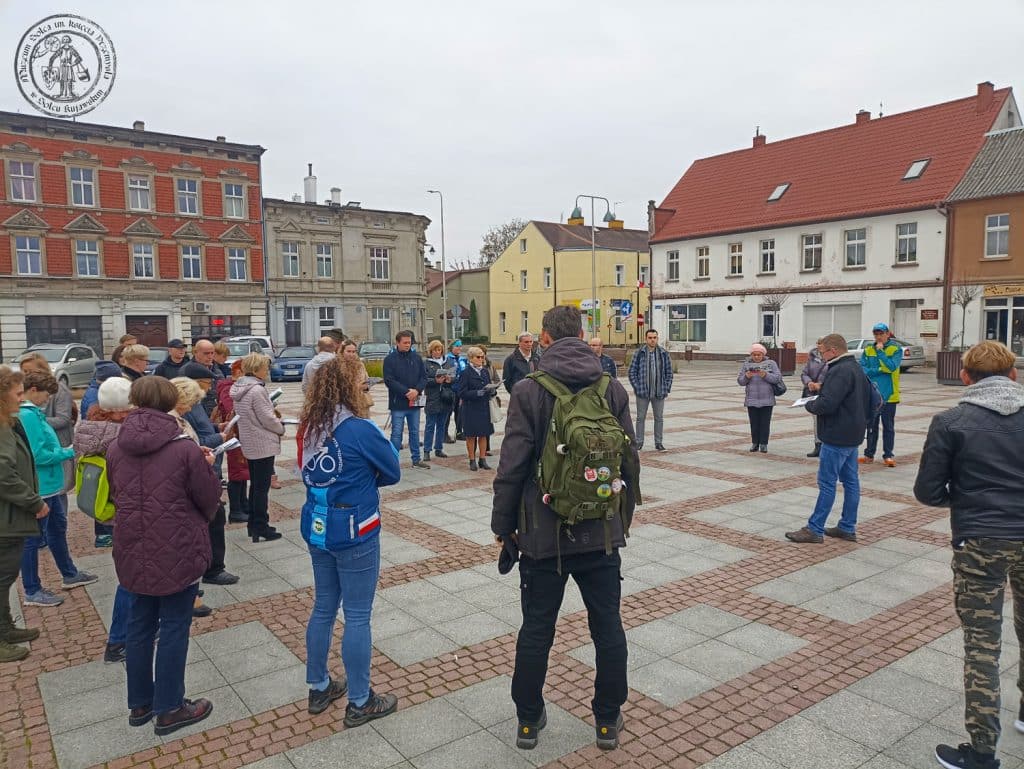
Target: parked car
913,355
72,364
157,355
265,342
290,363
373,350
242,348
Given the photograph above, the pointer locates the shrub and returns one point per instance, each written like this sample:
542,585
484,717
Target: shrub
374,368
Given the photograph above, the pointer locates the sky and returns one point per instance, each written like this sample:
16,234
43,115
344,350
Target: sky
514,109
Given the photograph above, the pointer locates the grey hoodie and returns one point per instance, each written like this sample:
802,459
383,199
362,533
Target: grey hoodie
996,393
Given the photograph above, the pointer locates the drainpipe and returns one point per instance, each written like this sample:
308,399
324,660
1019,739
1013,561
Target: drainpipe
946,286
554,276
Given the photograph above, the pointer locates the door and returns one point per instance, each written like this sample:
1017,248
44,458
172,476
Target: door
150,330
905,317
292,326
996,322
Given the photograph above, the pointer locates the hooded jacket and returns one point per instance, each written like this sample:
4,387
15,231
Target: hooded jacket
259,429
517,505
47,452
759,391
165,494
314,364
169,368
19,486
95,435
843,403
968,461
815,369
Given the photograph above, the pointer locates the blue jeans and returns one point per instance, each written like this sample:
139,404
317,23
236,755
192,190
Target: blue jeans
54,531
163,687
347,578
836,462
888,419
433,437
120,617
398,419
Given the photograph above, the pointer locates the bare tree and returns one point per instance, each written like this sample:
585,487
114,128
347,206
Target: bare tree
774,301
497,239
964,291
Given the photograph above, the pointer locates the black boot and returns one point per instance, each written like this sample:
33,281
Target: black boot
763,448
753,447
816,451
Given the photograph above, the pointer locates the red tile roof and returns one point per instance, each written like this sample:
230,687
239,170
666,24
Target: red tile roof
568,237
434,276
853,170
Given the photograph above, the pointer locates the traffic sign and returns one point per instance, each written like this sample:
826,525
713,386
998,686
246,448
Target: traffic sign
639,319
625,308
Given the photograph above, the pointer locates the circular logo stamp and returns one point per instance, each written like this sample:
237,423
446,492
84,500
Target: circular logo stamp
604,473
65,65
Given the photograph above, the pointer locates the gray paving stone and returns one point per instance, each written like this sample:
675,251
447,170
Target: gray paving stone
363,747
718,660
934,666
457,581
448,608
424,727
917,749
786,591
764,641
638,656
477,751
487,703
73,711
233,639
474,628
707,620
274,689
797,743
99,742
841,606
742,757
274,762
78,679
564,734
669,682
227,707
249,589
905,693
663,637
487,597
253,661
388,621
418,645
862,720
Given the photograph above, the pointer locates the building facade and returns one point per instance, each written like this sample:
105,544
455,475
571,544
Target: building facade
106,230
551,264
343,266
463,289
829,232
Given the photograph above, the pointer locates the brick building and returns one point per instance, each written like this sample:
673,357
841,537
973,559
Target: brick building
106,230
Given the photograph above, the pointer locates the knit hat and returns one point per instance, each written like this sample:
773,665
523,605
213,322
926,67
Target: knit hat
113,394
194,370
755,347
105,369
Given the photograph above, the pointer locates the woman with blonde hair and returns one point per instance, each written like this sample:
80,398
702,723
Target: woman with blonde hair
440,399
259,431
134,361
476,390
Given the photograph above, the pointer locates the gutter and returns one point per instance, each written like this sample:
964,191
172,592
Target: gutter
947,288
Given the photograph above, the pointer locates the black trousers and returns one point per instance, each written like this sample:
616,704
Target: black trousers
760,423
238,497
260,472
542,589
10,567
217,544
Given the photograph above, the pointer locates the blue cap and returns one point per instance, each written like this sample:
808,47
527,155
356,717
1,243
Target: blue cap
106,369
879,327
457,343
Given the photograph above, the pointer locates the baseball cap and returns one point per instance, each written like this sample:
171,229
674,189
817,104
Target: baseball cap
176,343
194,370
457,343
880,327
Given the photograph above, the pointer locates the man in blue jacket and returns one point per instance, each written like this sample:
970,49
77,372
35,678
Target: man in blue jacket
105,369
650,373
405,376
881,362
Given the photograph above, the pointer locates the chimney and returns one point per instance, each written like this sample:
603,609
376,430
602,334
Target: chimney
616,224
139,125
296,198
863,116
986,92
310,186
759,139
222,139
335,196
437,266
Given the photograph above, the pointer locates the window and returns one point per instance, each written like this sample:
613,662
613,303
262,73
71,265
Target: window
823,319
23,180
87,258
617,318
237,264
997,235
380,324
234,201
645,272
916,168
143,264
522,245
703,262
856,247
324,260
768,256
687,322
672,267
906,243
139,193
191,263
29,255
778,192
812,252
188,196
769,323
502,323
735,258
290,259
83,186
380,263
522,280
524,322
620,275
326,318
547,277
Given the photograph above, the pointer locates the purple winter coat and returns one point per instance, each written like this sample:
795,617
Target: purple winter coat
165,495
814,370
759,389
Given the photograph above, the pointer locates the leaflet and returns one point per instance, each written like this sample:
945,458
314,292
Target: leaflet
226,446
802,401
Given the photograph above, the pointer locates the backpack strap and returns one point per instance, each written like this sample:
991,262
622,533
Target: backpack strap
549,383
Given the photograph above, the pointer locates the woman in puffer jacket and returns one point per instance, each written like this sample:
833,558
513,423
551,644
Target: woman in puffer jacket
812,376
757,375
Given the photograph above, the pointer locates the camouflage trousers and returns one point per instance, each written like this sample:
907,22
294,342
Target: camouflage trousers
980,571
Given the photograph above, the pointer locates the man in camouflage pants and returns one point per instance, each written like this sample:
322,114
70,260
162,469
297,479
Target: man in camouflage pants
970,464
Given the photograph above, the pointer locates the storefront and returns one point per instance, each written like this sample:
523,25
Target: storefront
1003,316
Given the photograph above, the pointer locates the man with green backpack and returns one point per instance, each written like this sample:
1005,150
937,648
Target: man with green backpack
564,494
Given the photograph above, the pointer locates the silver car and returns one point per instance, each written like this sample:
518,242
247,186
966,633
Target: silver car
913,354
72,364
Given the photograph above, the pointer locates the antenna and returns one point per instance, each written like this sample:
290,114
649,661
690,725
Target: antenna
757,131
880,113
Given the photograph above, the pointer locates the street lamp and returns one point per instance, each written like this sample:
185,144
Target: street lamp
577,213
444,267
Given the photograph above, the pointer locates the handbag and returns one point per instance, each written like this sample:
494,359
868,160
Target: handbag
779,388
495,410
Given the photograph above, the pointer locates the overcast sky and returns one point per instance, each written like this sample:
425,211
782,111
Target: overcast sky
513,109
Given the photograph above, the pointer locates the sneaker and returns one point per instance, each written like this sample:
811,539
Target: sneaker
527,734
865,460
188,714
377,706
441,455
43,598
220,578
319,699
804,535
890,462
12,653
421,465
104,540
963,756
114,653
81,579
660,447
140,716
835,531
608,734
19,635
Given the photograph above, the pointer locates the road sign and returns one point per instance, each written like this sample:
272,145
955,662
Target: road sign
625,308
639,319
587,304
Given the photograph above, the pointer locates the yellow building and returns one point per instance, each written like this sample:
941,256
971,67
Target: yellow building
549,264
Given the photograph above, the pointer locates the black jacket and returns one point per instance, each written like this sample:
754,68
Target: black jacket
843,404
968,463
403,371
440,396
516,367
517,502
169,368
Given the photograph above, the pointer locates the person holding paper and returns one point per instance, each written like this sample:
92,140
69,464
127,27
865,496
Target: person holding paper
238,466
812,376
758,375
476,389
406,378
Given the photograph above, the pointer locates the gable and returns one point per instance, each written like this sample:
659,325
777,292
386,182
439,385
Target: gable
26,220
190,231
85,223
237,233
144,228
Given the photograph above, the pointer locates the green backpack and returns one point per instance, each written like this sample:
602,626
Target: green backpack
92,488
580,468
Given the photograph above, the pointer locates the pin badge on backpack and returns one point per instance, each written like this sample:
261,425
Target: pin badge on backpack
603,473
590,474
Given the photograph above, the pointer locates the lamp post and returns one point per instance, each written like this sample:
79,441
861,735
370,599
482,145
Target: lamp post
444,268
577,213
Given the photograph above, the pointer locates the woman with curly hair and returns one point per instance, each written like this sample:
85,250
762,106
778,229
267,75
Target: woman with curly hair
344,458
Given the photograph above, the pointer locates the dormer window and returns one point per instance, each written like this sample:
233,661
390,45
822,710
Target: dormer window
917,168
778,192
